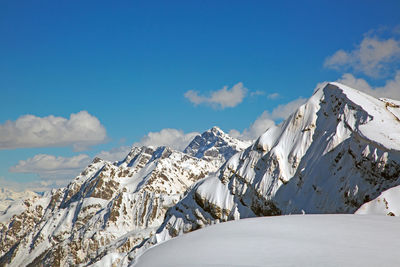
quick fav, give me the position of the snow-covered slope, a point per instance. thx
(336, 152)
(108, 209)
(310, 240)
(387, 203)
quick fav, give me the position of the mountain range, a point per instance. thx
(337, 153)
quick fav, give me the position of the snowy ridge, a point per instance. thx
(330, 156)
(104, 212)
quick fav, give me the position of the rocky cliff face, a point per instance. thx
(338, 151)
(108, 209)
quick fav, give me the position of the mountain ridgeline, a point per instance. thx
(110, 207)
(337, 153)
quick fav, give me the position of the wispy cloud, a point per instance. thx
(281, 112)
(267, 119)
(52, 167)
(257, 93)
(373, 56)
(391, 89)
(54, 171)
(223, 98)
(36, 186)
(115, 154)
(259, 126)
(273, 96)
(173, 138)
(81, 130)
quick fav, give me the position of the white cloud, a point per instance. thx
(80, 131)
(257, 93)
(173, 138)
(283, 111)
(273, 96)
(52, 167)
(373, 57)
(222, 98)
(36, 186)
(259, 126)
(267, 120)
(115, 154)
(55, 172)
(391, 89)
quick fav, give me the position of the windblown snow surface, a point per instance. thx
(297, 240)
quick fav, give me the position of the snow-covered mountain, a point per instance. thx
(215, 144)
(109, 208)
(336, 152)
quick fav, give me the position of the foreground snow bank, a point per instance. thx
(298, 240)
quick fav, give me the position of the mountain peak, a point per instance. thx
(216, 130)
(214, 143)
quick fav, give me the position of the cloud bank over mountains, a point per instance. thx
(223, 98)
(80, 131)
(267, 119)
(49, 166)
(391, 89)
(173, 138)
(376, 57)
(373, 57)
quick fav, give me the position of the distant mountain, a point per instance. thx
(215, 144)
(8, 196)
(109, 208)
(338, 151)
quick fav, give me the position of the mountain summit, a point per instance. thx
(215, 144)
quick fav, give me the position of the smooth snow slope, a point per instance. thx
(298, 240)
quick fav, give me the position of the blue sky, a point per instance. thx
(130, 64)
